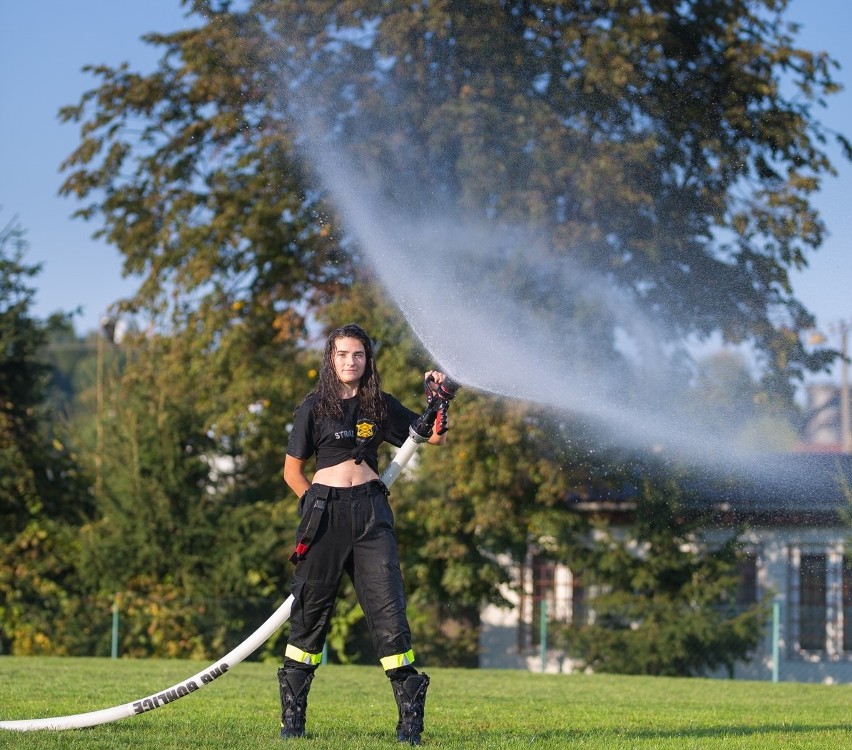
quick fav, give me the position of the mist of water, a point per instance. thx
(501, 312)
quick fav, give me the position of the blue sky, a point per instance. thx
(43, 46)
(45, 43)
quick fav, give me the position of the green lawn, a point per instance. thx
(353, 707)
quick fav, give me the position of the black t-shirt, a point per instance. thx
(335, 442)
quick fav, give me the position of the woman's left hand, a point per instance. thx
(435, 376)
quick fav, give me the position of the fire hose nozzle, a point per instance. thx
(448, 389)
(445, 391)
(438, 396)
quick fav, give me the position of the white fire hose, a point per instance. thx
(215, 670)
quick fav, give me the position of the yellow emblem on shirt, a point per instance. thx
(365, 430)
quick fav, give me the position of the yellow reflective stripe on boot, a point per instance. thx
(398, 660)
(303, 657)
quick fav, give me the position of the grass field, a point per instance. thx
(353, 707)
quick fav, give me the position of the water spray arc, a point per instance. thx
(418, 433)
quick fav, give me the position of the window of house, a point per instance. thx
(543, 590)
(549, 584)
(847, 603)
(579, 612)
(812, 602)
(747, 587)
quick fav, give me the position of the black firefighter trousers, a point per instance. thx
(356, 536)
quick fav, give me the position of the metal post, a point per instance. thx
(99, 415)
(542, 635)
(776, 639)
(115, 628)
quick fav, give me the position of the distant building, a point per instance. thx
(799, 553)
(822, 432)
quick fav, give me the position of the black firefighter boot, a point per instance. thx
(294, 685)
(410, 694)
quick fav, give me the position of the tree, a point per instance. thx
(37, 476)
(191, 496)
(663, 598)
(215, 211)
(43, 496)
(656, 143)
(738, 410)
(653, 143)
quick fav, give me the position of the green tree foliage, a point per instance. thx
(672, 147)
(627, 134)
(68, 357)
(44, 606)
(654, 142)
(190, 496)
(662, 599)
(208, 202)
(736, 409)
(35, 472)
(471, 514)
(42, 492)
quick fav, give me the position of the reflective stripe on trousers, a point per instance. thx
(303, 657)
(395, 661)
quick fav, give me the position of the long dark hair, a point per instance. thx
(327, 401)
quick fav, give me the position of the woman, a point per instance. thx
(347, 525)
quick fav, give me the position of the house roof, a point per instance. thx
(788, 488)
(798, 484)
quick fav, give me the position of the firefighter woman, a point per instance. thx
(347, 525)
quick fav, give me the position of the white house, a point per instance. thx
(799, 555)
